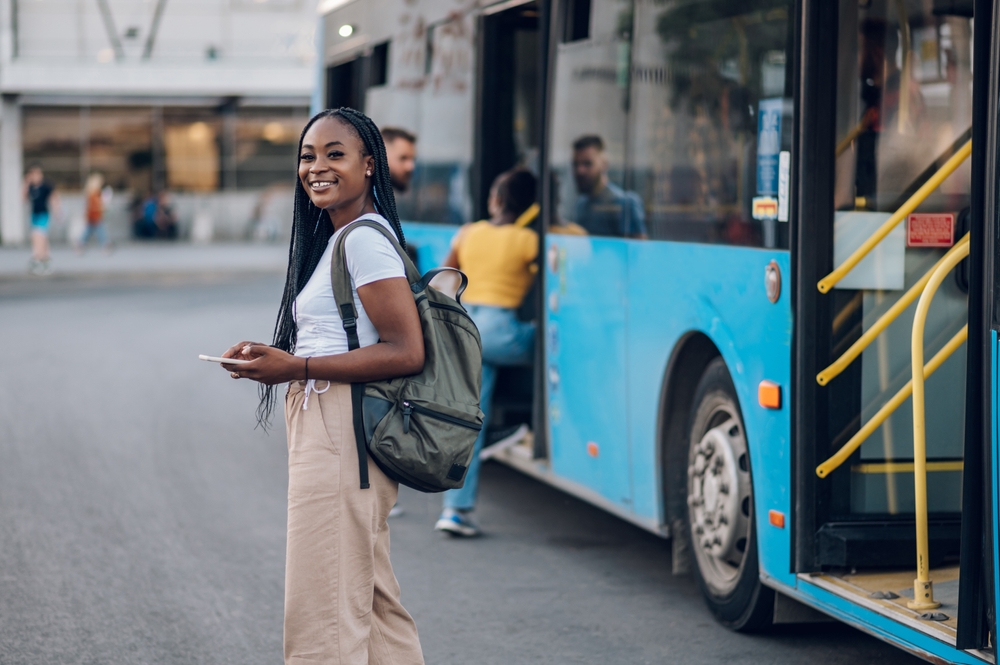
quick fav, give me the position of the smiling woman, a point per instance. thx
(338, 572)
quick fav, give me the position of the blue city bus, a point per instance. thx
(732, 367)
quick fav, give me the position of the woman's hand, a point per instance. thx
(241, 351)
(268, 365)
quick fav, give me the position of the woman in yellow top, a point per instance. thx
(498, 255)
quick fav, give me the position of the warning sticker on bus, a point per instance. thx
(765, 207)
(930, 229)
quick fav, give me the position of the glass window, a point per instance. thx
(266, 139)
(429, 92)
(905, 97)
(904, 104)
(120, 146)
(711, 120)
(52, 139)
(588, 128)
(192, 147)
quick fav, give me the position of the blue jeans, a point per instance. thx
(95, 230)
(506, 341)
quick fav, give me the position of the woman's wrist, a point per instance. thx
(305, 369)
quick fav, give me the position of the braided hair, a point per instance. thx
(311, 232)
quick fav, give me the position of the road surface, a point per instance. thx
(142, 516)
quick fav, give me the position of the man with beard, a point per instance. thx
(603, 208)
(401, 149)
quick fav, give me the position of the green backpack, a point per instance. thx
(419, 429)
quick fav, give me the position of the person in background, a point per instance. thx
(166, 217)
(94, 190)
(557, 224)
(44, 201)
(401, 151)
(143, 216)
(155, 217)
(499, 257)
(603, 208)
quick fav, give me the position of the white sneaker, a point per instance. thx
(456, 523)
(508, 441)
(396, 511)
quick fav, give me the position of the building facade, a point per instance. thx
(203, 99)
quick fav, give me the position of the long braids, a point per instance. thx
(311, 232)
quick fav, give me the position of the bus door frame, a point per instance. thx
(978, 565)
(812, 251)
(489, 32)
(481, 180)
(813, 143)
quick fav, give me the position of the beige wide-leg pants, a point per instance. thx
(341, 597)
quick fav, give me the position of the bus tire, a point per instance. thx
(720, 506)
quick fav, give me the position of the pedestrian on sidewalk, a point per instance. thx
(94, 189)
(341, 596)
(44, 200)
(498, 256)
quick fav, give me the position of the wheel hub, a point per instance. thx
(718, 502)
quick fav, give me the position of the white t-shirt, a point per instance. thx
(370, 257)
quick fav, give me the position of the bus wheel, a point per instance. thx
(720, 506)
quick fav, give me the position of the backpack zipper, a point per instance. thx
(409, 408)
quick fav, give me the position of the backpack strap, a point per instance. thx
(344, 296)
(425, 281)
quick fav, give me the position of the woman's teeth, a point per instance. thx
(318, 185)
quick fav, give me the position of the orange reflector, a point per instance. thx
(777, 519)
(769, 394)
(592, 449)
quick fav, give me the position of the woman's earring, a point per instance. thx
(368, 174)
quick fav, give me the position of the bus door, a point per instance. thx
(898, 200)
(507, 135)
(981, 505)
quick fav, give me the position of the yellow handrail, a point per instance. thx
(838, 458)
(923, 590)
(911, 204)
(841, 363)
(853, 133)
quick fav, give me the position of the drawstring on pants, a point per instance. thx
(311, 388)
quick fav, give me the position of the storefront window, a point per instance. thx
(120, 146)
(146, 148)
(192, 150)
(52, 139)
(266, 140)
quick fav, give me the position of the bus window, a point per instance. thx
(419, 79)
(588, 139)
(903, 107)
(711, 119)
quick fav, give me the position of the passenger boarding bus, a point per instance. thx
(767, 294)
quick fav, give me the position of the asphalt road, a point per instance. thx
(142, 516)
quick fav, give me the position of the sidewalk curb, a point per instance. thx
(57, 283)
